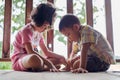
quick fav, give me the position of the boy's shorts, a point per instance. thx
(94, 64)
(17, 62)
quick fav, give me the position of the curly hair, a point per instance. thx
(43, 12)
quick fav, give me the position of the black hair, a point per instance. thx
(43, 12)
(68, 21)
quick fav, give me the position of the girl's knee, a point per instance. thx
(33, 57)
(33, 61)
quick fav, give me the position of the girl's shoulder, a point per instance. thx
(27, 28)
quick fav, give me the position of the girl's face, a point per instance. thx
(42, 28)
(71, 33)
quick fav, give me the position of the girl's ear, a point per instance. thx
(76, 27)
(45, 23)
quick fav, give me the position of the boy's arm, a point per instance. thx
(84, 51)
(75, 49)
(72, 54)
(83, 59)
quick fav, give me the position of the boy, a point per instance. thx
(96, 52)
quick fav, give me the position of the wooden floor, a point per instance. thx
(112, 74)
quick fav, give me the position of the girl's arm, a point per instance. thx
(44, 48)
(51, 54)
(30, 50)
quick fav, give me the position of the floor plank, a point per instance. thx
(112, 74)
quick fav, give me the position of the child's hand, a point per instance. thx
(66, 68)
(79, 70)
(57, 58)
(54, 69)
(69, 61)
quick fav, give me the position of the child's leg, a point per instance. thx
(16, 62)
(74, 60)
(32, 62)
(94, 64)
(72, 64)
(76, 64)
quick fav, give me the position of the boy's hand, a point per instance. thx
(79, 70)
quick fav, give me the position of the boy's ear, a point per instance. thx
(76, 27)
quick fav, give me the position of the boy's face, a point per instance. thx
(71, 33)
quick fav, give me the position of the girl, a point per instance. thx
(26, 56)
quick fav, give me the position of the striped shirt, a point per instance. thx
(100, 47)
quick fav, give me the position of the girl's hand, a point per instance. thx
(66, 68)
(60, 59)
(54, 69)
(79, 70)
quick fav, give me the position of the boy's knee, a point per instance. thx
(76, 64)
